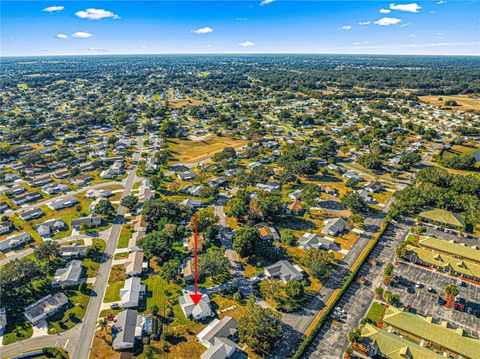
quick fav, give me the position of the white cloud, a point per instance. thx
(406, 7)
(82, 35)
(96, 14)
(441, 2)
(209, 46)
(54, 8)
(384, 11)
(97, 49)
(202, 30)
(61, 36)
(346, 27)
(364, 23)
(361, 43)
(246, 44)
(386, 21)
(266, 2)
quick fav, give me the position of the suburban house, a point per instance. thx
(373, 187)
(14, 241)
(74, 251)
(39, 181)
(135, 264)
(90, 221)
(63, 203)
(268, 232)
(32, 214)
(99, 193)
(3, 206)
(353, 176)
(285, 271)
(187, 270)
(334, 226)
(55, 188)
(68, 276)
(186, 176)
(132, 291)
(132, 242)
(45, 307)
(269, 186)
(198, 311)
(295, 208)
(129, 327)
(48, 228)
(218, 337)
(139, 224)
(316, 241)
(227, 327)
(192, 203)
(296, 195)
(5, 227)
(26, 198)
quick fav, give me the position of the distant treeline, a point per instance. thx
(437, 75)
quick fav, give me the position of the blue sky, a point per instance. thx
(449, 27)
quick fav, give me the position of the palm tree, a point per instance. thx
(102, 324)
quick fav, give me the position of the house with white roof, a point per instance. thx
(198, 311)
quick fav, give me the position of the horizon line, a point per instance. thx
(232, 53)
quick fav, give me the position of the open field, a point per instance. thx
(187, 151)
(466, 103)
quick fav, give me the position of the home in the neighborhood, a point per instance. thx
(91, 221)
(218, 337)
(5, 227)
(316, 241)
(14, 241)
(45, 307)
(285, 271)
(31, 214)
(63, 203)
(55, 188)
(50, 227)
(131, 293)
(74, 251)
(68, 276)
(334, 226)
(135, 264)
(130, 326)
(198, 311)
(186, 176)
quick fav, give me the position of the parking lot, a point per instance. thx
(426, 302)
(354, 304)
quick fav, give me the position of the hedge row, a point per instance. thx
(311, 336)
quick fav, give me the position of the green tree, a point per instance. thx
(47, 251)
(212, 264)
(259, 328)
(130, 202)
(245, 239)
(353, 201)
(287, 237)
(105, 209)
(170, 270)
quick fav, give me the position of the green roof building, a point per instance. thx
(436, 336)
(443, 218)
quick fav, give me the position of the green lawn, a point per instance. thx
(155, 292)
(375, 313)
(21, 331)
(125, 235)
(112, 294)
(61, 321)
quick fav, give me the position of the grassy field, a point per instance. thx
(187, 151)
(125, 235)
(466, 103)
(65, 320)
(375, 313)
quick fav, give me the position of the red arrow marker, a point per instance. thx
(195, 296)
